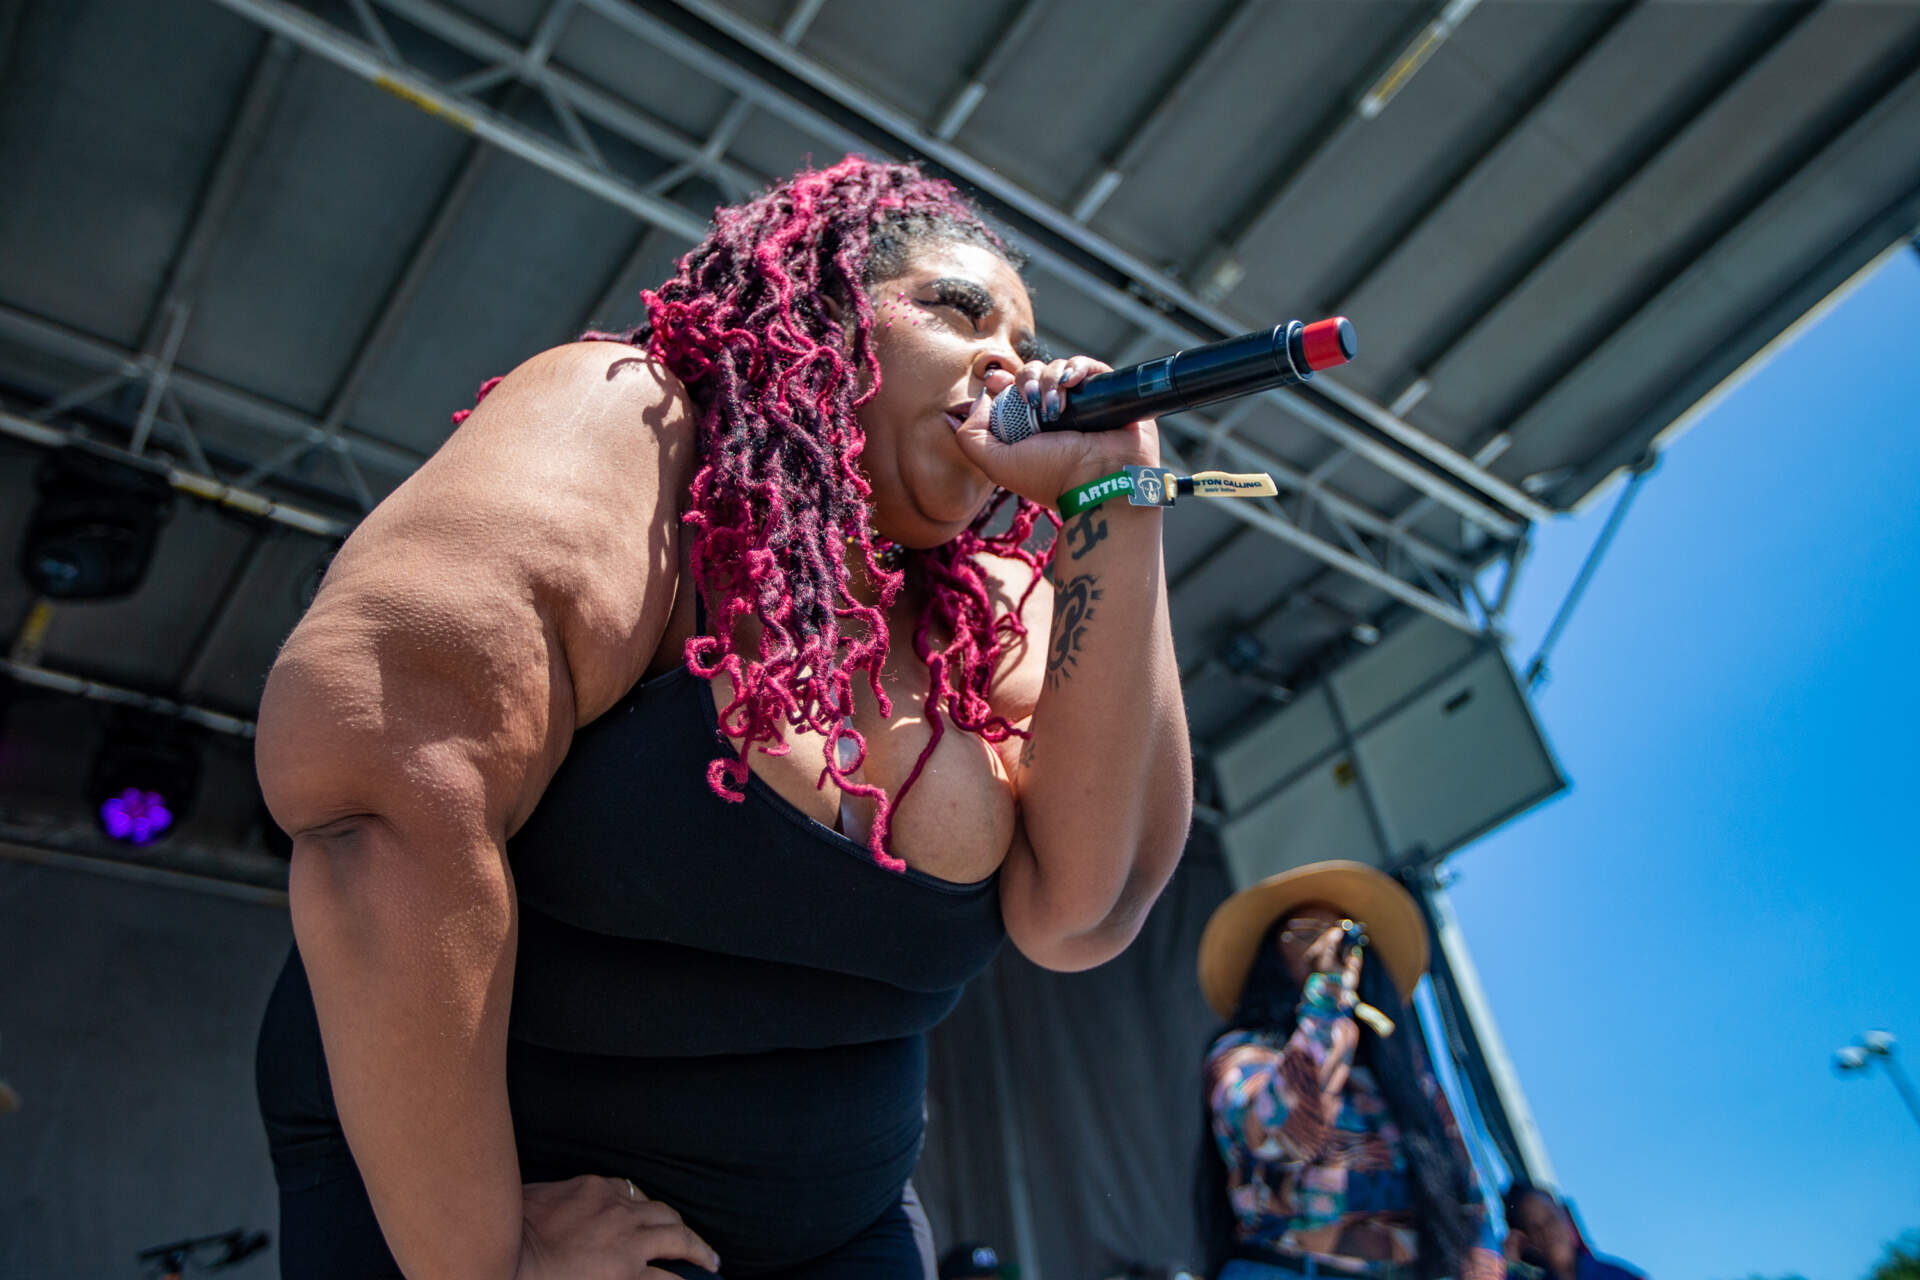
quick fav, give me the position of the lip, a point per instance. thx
(957, 413)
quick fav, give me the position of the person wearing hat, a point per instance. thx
(1329, 1146)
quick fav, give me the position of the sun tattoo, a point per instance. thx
(1072, 611)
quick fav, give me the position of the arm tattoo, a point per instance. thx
(1089, 528)
(1026, 752)
(1072, 611)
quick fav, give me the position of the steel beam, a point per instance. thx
(1518, 113)
(320, 38)
(908, 134)
(195, 485)
(1009, 42)
(393, 311)
(237, 155)
(99, 691)
(1266, 518)
(615, 291)
(1769, 329)
(304, 31)
(1143, 129)
(161, 371)
(1410, 46)
(216, 397)
(1290, 478)
(1901, 71)
(1453, 330)
(1271, 520)
(310, 34)
(615, 115)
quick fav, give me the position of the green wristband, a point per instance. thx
(1094, 492)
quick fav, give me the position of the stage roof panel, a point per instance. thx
(270, 240)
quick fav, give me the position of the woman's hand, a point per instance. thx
(593, 1228)
(1324, 957)
(1046, 465)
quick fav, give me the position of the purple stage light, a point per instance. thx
(136, 816)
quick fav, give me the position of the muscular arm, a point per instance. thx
(509, 591)
(1106, 782)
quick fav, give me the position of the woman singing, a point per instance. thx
(665, 755)
(1329, 1148)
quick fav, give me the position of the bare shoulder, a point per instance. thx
(1014, 588)
(511, 589)
(566, 482)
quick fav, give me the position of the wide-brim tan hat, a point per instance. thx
(1396, 933)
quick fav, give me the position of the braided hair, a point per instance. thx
(769, 324)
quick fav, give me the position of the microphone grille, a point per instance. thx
(1011, 417)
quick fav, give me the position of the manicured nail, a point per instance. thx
(1052, 405)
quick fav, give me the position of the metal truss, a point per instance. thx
(1453, 331)
(202, 485)
(1377, 551)
(118, 367)
(94, 690)
(1361, 542)
(1164, 290)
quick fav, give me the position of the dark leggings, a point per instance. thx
(328, 1232)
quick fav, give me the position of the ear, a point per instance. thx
(842, 317)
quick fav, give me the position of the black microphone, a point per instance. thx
(1258, 361)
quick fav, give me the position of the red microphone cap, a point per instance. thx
(1327, 343)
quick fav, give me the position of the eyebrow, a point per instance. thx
(1025, 344)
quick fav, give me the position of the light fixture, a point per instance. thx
(92, 532)
(1878, 1046)
(143, 781)
(1244, 654)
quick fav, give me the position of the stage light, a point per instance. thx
(143, 780)
(136, 816)
(92, 532)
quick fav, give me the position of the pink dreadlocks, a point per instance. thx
(747, 323)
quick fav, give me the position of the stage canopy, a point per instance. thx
(276, 244)
(255, 252)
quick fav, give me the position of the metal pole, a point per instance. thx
(1491, 1049)
(1537, 665)
(1900, 1082)
(194, 485)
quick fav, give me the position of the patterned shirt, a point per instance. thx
(1306, 1183)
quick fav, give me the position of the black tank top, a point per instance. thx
(724, 1001)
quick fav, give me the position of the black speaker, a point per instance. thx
(93, 530)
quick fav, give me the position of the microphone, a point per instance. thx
(1258, 361)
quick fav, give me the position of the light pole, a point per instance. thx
(1860, 1057)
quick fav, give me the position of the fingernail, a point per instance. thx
(1052, 405)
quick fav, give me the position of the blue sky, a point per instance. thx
(1731, 888)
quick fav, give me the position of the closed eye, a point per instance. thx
(964, 296)
(976, 304)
